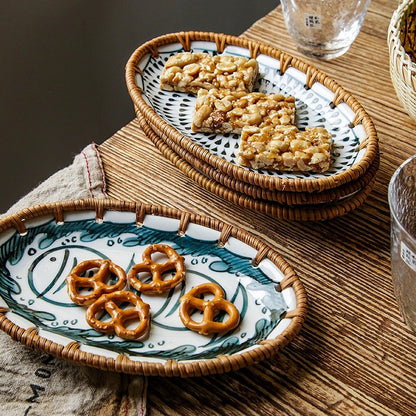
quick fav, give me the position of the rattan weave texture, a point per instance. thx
(319, 212)
(220, 364)
(282, 197)
(402, 68)
(196, 153)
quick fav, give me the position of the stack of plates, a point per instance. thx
(210, 159)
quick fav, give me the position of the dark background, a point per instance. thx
(62, 73)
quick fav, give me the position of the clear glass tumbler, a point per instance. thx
(402, 200)
(324, 29)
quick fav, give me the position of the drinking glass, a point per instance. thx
(402, 200)
(324, 29)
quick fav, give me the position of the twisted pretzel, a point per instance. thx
(157, 270)
(111, 303)
(192, 300)
(76, 280)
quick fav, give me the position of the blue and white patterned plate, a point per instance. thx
(315, 107)
(33, 268)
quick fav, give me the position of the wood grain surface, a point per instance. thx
(354, 355)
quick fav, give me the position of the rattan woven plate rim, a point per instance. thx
(293, 213)
(122, 363)
(255, 48)
(402, 68)
(281, 197)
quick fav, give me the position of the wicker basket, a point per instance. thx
(257, 192)
(402, 68)
(32, 332)
(317, 212)
(136, 72)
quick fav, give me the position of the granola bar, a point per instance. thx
(189, 72)
(222, 111)
(285, 148)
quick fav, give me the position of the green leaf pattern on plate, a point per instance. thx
(33, 268)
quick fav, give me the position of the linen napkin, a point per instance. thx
(35, 383)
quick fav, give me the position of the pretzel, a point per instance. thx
(192, 300)
(111, 303)
(157, 270)
(77, 279)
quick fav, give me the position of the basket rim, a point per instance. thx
(370, 144)
(281, 197)
(217, 365)
(396, 49)
(273, 209)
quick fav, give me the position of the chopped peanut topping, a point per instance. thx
(188, 72)
(226, 104)
(222, 111)
(285, 148)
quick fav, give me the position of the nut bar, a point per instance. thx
(285, 148)
(222, 111)
(189, 72)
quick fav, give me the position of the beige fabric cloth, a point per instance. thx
(84, 178)
(35, 383)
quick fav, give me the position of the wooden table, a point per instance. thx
(354, 355)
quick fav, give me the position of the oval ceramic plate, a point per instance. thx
(39, 247)
(322, 103)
